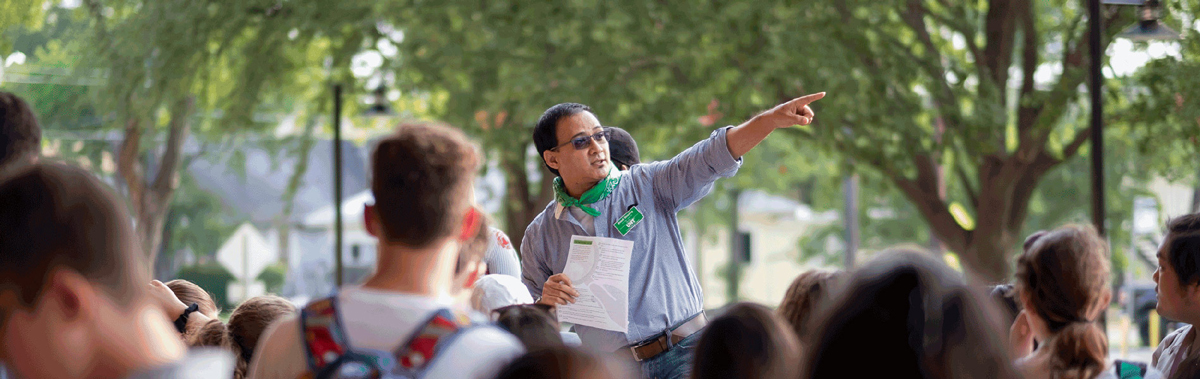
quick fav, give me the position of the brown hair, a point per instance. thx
(421, 177)
(58, 216)
(917, 313)
(189, 293)
(800, 301)
(246, 324)
(748, 341)
(563, 363)
(20, 134)
(533, 324)
(1064, 279)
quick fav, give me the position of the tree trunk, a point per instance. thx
(284, 221)
(151, 201)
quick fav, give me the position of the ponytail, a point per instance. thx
(1078, 351)
(212, 334)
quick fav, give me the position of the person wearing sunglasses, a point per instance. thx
(592, 195)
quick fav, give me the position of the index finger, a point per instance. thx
(562, 278)
(807, 99)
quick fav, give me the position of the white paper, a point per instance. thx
(599, 270)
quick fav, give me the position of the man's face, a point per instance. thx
(588, 164)
(1175, 301)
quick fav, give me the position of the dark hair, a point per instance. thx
(563, 363)
(916, 312)
(1064, 277)
(1183, 248)
(748, 341)
(622, 149)
(421, 177)
(1005, 295)
(20, 134)
(533, 324)
(58, 216)
(545, 133)
(189, 293)
(800, 301)
(248, 322)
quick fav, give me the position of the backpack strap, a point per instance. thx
(324, 340)
(435, 333)
(1129, 369)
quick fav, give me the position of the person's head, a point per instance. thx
(1063, 284)
(748, 341)
(912, 309)
(571, 142)
(20, 134)
(189, 293)
(533, 324)
(73, 284)
(421, 177)
(563, 363)
(1005, 297)
(496, 291)
(1178, 274)
(247, 323)
(802, 297)
(622, 148)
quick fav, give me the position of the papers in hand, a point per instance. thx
(599, 270)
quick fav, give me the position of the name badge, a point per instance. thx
(629, 220)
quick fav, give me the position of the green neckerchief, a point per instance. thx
(597, 193)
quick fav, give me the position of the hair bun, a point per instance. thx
(1033, 238)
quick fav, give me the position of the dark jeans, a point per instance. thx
(673, 364)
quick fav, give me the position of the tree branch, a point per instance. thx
(128, 166)
(181, 112)
(972, 193)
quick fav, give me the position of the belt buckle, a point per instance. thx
(633, 350)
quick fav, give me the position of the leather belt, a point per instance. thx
(654, 346)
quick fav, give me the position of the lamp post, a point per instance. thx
(379, 108)
(1148, 28)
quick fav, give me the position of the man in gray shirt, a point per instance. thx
(594, 198)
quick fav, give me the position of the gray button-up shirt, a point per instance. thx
(663, 290)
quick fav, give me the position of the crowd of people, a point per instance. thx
(450, 298)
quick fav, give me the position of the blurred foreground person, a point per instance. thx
(20, 134)
(907, 315)
(801, 301)
(748, 341)
(622, 149)
(565, 363)
(402, 320)
(1062, 280)
(533, 324)
(74, 298)
(1178, 288)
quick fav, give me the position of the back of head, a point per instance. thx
(622, 149)
(57, 216)
(20, 134)
(906, 315)
(190, 293)
(533, 324)
(748, 341)
(248, 322)
(1064, 280)
(800, 301)
(421, 177)
(564, 363)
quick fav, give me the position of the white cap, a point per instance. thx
(495, 291)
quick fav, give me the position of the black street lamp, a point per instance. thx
(1148, 28)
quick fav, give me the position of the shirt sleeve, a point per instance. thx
(533, 272)
(689, 176)
(501, 258)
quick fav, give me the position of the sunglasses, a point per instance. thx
(581, 143)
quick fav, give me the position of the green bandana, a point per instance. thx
(597, 193)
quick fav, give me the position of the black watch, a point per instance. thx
(181, 322)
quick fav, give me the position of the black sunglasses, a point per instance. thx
(581, 143)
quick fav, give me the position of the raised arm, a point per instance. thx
(746, 136)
